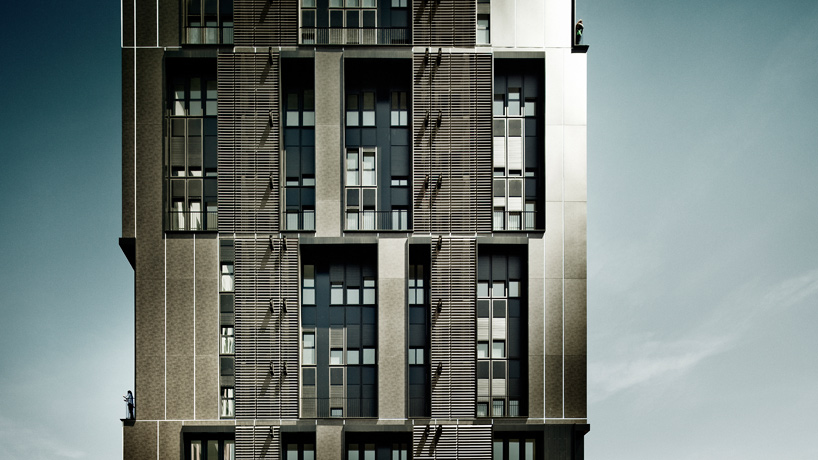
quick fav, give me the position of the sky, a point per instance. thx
(702, 257)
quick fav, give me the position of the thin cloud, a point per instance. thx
(22, 442)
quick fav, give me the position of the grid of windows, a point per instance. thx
(500, 333)
(418, 334)
(208, 22)
(339, 337)
(361, 190)
(191, 153)
(299, 146)
(202, 448)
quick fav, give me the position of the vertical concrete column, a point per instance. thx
(329, 91)
(329, 442)
(392, 269)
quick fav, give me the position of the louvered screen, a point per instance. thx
(249, 153)
(444, 23)
(452, 129)
(453, 350)
(451, 442)
(265, 22)
(258, 442)
(264, 336)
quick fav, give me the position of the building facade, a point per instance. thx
(357, 229)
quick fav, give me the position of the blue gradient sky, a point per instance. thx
(702, 252)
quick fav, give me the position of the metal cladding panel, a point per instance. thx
(453, 328)
(257, 442)
(265, 23)
(266, 338)
(445, 23)
(249, 147)
(453, 442)
(452, 142)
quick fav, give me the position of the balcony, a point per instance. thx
(193, 221)
(209, 35)
(515, 221)
(339, 407)
(355, 36)
(395, 220)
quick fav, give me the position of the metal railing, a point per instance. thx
(355, 36)
(339, 407)
(515, 221)
(208, 35)
(303, 220)
(193, 221)
(397, 220)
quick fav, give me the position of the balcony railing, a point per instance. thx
(514, 220)
(300, 220)
(193, 221)
(338, 407)
(355, 36)
(397, 220)
(209, 35)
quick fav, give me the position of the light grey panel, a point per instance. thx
(530, 23)
(575, 317)
(536, 316)
(553, 240)
(575, 89)
(392, 339)
(553, 316)
(575, 234)
(554, 158)
(575, 386)
(502, 27)
(554, 84)
(558, 23)
(576, 176)
(553, 386)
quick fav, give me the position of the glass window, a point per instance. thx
(308, 357)
(336, 293)
(353, 357)
(336, 356)
(482, 349)
(368, 113)
(369, 168)
(352, 167)
(228, 341)
(226, 281)
(497, 408)
(482, 409)
(369, 356)
(227, 402)
(498, 349)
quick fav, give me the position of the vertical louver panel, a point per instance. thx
(453, 328)
(444, 23)
(451, 442)
(249, 150)
(452, 144)
(266, 22)
(258, 442)
(266, 328)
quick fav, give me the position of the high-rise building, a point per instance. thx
(357, 229)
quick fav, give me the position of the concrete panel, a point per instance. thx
(128, 8)
(139, 441)
(180, 259)
(207, 258)
(329, 442)
(536, 317)
(149, 388)
(146, 22)
(207, 317)
(576, 167)
(207, 387)
(392, 258)
(575, 236)
(391, 348)
(169, 23)
(502, 27)
(530, 22)
(180, 316)
(554, 158)
(179, 386)
(553, 240)
(554, 85)
(149, 346)
(536, 255)
(575, 317)
(536, 386)
(328, 142)
(553, 386)
(576, 75)
(558, 27)
(128, 129)
(553, 316)
(575, 386)
(169, 442)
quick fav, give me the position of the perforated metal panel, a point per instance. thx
(444, 23)
(265, 22)
(266, 339)
(249, 149)
(452, 143)
(453, 351)
(438, 442)
(258, 442)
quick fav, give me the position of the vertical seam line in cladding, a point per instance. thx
(157, 26)
(157, 439)
(563, 250)
(194, 327)
(134, 129)
(165, 342)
